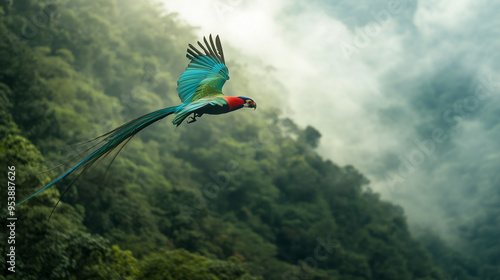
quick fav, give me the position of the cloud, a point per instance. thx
(376, 77)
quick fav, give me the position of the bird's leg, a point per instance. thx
(193, 118)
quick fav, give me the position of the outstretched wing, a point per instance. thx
(205, 74)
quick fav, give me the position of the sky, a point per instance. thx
(405, 91)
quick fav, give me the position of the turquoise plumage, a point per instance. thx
(204, 69)
(200, 90)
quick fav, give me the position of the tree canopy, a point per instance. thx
(237, 196)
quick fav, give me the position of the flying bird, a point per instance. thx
(200, 90)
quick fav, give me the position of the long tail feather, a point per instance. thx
(109, 142)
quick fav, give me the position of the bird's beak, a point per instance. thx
(254, 106)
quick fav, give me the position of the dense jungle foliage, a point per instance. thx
(236, 196)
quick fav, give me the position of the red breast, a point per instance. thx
(234, 102)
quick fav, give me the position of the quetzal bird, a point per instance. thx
(200, 90)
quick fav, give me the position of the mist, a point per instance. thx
(405, 91)
(374, 153)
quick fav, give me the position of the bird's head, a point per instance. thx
(247, 102)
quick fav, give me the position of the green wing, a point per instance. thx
(205, 74)
(187, 109)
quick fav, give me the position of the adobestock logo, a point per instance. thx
(425, 148)
(309, 265)
(365, 36)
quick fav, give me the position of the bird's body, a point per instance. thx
(200, 90)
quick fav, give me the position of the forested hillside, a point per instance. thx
(236, 196)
